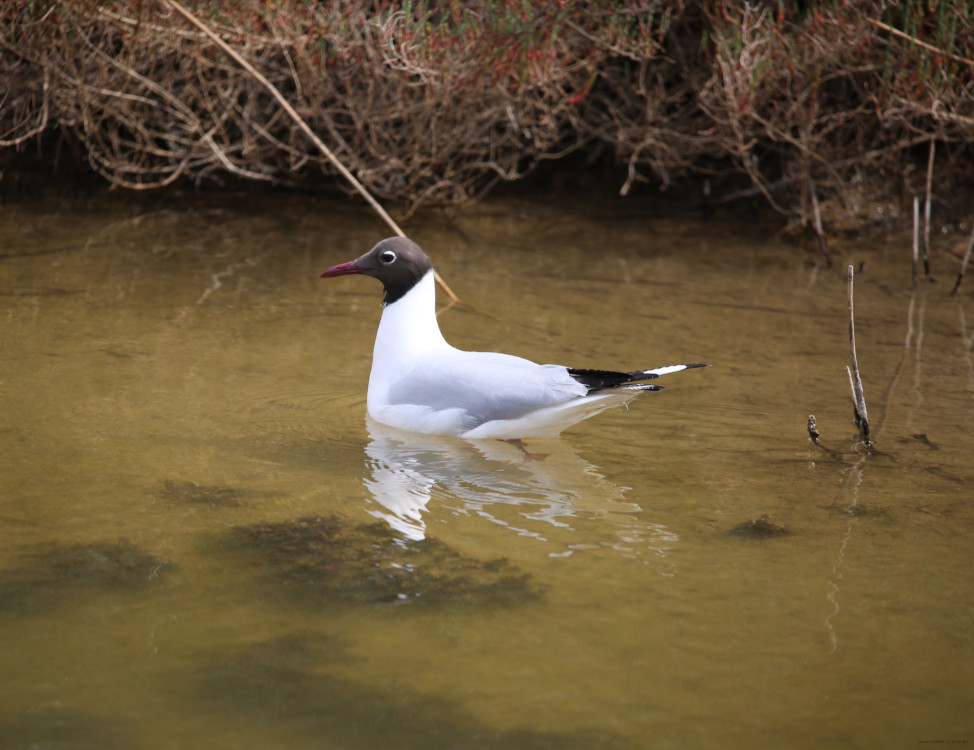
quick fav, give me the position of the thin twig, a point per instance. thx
(913, 40)
(299, 121)
(963, 263)
(42, 121)
(855, 382)
(851, 161)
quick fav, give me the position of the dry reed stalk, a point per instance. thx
(913, 40)
(855, 381)
(916, 238)
(926, 212)
(299, 121)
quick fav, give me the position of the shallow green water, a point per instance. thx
(206, 545)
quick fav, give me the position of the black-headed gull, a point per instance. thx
(422, 384)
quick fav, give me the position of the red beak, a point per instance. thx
(342, 269)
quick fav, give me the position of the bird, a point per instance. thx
(420, 383)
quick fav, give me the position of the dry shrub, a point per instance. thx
(431, 102)
(836, 103)
(423, 104)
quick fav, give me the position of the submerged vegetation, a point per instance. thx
(323, 561)
(435, 102)
(51, 573)
(196, 494)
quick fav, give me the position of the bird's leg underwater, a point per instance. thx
(528, 455)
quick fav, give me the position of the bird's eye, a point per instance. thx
(387, 257)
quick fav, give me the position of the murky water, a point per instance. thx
(206, 545)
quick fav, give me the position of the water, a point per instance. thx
(207, 545)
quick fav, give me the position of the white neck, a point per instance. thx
(408, 333)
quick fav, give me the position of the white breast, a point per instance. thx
(419, 382)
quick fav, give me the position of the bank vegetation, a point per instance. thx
(436, 102)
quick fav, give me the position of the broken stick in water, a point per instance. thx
(855, 382)
(916, 238)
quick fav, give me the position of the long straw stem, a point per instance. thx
(299, 121)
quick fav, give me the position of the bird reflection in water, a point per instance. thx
(546, 484)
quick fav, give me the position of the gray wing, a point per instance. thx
(486, 385)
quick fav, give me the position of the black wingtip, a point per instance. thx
(599, 380)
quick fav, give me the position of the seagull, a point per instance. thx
(420, 383)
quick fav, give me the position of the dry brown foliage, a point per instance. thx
(430, 102)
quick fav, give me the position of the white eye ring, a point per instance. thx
(387, 257)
